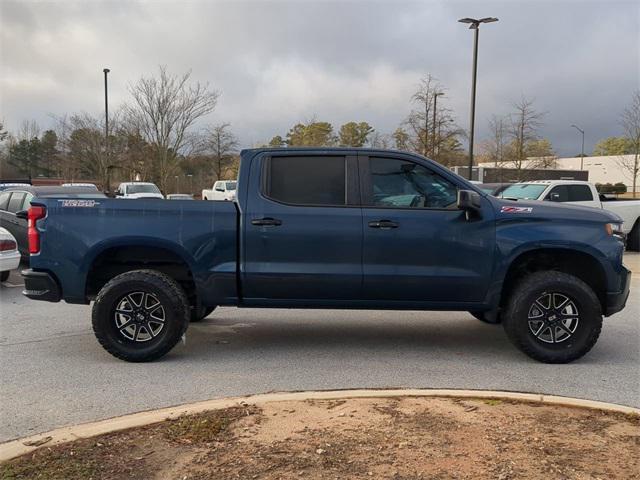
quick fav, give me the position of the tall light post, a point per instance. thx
(177, 184)
(106, 127)
(474, 25)
(433, 127)
(190, 176)
(582, 151)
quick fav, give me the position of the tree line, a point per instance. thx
(158, 136)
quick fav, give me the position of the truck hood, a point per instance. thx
(540, 209)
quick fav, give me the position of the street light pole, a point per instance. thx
(582, 151)
(474, 25)
(433, 127)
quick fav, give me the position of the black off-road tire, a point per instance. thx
(486, 317)
(633, 240)
(199, 314)
(176, 312)
(515, 319)
(4, 276)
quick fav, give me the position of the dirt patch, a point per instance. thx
(402, 438)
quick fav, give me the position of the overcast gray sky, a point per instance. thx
(277, 63)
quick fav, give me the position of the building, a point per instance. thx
(605, 169)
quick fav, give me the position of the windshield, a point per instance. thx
(231, 185)
(143, 188)
(523, 191)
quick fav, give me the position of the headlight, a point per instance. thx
(614, 229)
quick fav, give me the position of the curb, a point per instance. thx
(16, 448)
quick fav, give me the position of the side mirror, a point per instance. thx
(219, 189)
(23, 214)
(469, 201)
(554, 197)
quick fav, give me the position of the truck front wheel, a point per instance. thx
(140, 315)
(553, 317)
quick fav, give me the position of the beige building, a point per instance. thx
(606, 169)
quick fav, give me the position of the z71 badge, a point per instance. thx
(78, 203)
(516, 209)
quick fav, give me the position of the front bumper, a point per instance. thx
(40, 286)
(616, 301)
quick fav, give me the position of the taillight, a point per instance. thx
(35, 213)
(7, 245)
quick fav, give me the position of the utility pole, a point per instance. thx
(106, 128)
(474, 25)
(433, 126)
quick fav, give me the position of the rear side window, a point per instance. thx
(580, 193)
(4, 200)
(15, 202)
(307, 180)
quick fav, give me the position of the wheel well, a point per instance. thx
(117, 260)
(581, 265)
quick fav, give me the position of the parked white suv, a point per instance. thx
(138, 190)
(222, 190)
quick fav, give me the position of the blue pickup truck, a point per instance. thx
(332, 228)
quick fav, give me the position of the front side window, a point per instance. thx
(558, 194)
(15, 202)
(403, 184)
(307, 180)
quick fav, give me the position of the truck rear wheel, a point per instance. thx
(553, 317)
(139, 316)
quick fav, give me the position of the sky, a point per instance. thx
(278, 63)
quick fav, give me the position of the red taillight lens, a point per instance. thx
(35, 213)
(7, 245)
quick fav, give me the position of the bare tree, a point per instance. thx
(431, 135)
(523, 127)
(29, 129)
(631, 124)
(164, 111)
(221, 143)
(495, 147)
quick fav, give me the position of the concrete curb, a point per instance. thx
(16, 448)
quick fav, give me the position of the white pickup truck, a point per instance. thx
(580, 193)
(222, 190)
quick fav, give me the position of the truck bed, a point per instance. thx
(203, 234)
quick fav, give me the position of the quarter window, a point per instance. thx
(307, 180)
(15, 202)
(403, 184)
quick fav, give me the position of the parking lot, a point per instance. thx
(55, 373)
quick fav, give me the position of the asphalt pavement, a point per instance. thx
(54, 373)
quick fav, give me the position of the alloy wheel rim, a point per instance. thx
(553, 317)
(139, 316)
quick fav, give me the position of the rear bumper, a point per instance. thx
(40, 286)
(616, 301)
(9, 260)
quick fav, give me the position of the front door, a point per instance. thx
(302, 230)
(418, 247)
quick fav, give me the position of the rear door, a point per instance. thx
(302, 230)
(418, 247)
